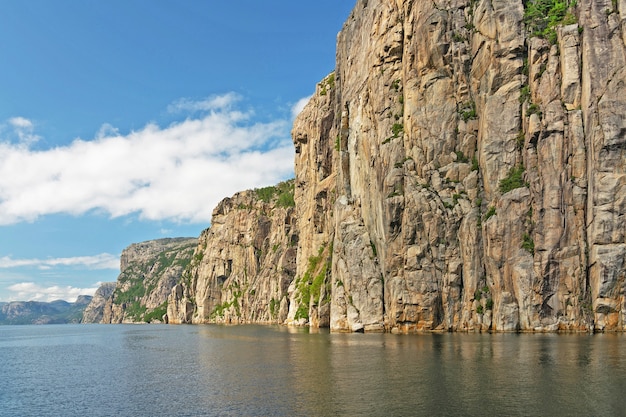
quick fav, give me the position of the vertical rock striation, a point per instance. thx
(462, 169)
(481, 169)
(316, 140)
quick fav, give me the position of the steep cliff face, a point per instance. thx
(95, 309)
(149, 271)
(243, 264)
(316, 137)
(481, 171)
(463, 168)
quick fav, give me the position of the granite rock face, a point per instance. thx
(148, 272)
(243, 264)
(480, 170)
(458, 171)
(315, 139)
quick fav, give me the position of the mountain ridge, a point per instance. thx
(39, 312)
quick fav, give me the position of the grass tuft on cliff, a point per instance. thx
(513, 180)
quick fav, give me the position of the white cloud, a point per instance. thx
(178, 173)
(20, 122)
(101, 261)
(297, 108)
(29, 291)
(107, 130)
(24, 130)
(209, 104)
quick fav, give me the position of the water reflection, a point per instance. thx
(259, 371)
(256, 370)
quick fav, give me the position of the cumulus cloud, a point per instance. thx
(178, 173)
(101, 261)
(29, 291)
(297, 108)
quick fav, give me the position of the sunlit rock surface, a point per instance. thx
(453, 173)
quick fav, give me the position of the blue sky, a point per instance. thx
(123, 121)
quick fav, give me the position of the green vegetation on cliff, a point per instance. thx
(310, 285)
(513, 180)
(327, 84)
(282, 193)
(154, 267)
(542, 16)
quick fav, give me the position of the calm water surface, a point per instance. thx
(160, 370)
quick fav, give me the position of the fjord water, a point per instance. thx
(159, 370)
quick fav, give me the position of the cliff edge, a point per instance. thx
(243, 264)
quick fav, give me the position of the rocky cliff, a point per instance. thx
(243, 264)
(463, 169)
(95, 310)
(148, 272)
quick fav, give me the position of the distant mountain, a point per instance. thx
(36, 312)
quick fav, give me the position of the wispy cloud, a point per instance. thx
(21, 129)
(29, 291)
(101, 261)
(297, 108)
(209, 104)
(178, 173)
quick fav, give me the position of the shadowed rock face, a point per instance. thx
(453, 173)
(95, 309)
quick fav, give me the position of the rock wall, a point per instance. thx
(316, 137)
(243, 264)
(462, 169)
(148, 272)
(480, 170)
(95, 309)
